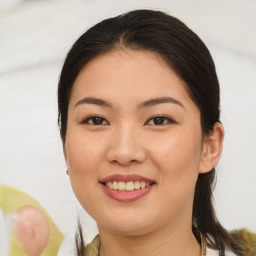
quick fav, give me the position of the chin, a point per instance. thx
(127, 226)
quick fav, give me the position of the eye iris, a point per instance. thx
(97, 120)
(158, 120)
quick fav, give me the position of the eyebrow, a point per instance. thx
(148, 103)
(155, 101)
(92, 100)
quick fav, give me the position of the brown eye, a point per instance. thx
(160, 120)
(95, 120)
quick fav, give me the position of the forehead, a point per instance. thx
(127, 73)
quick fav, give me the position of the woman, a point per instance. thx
(138, 102)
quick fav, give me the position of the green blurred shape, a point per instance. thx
(11, 200)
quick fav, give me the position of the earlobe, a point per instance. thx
(66, 158)
(212, 148)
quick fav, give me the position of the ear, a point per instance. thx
(66, 158)
(212, 148)
(65, 154)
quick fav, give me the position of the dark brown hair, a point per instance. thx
(189, 58)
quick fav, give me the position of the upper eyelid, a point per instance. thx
(86, 119)
(164, 116)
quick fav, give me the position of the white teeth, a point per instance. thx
(115, 186)
(128, 186)
(137, 185)
(110, 185)
(121, 185)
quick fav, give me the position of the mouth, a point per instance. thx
(129, 182)
(126, 188)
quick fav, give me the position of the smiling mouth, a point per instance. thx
(127, 186)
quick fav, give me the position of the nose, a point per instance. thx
(126, 147)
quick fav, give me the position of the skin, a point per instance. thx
(32, 228)
(129, 141)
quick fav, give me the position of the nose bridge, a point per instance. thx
(126, 146)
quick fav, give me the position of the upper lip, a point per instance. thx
(125, 178)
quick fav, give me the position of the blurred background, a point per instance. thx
(35, 36)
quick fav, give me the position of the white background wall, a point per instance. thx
(34, 38)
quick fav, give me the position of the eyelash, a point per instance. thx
(94, 118)
(167, 120)
(90, 120)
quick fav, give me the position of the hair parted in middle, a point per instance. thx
(185, 53)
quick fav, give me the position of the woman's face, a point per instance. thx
(134, 143)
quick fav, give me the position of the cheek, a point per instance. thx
(84, 156)
(177, 150)
(84, 152)
(177, 159)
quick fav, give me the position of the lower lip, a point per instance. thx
(126, 196)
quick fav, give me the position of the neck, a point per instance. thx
(180, 242)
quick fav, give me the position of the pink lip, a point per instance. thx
(126, 178)
(126, 196)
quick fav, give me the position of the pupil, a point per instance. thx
(97, 120)
(159, 120)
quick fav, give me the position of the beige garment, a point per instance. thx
(246, 238)
(92, 249)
